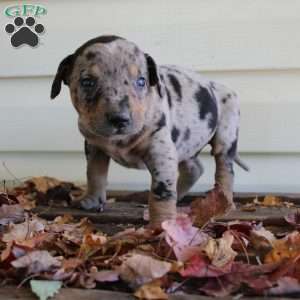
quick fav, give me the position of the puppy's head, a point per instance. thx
(110, 80)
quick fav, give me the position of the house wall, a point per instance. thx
(251, 46)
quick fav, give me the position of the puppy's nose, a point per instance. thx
(118, 120)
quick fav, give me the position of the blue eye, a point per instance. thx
(141, 82)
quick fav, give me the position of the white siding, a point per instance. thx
(251, 45)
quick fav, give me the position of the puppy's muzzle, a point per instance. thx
(119, 120)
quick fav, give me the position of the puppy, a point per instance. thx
(147, 116)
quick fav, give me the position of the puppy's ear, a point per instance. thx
(153, 74)
(62, 74)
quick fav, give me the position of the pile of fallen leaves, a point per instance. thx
(190, 254)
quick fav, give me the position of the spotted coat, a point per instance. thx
(147, 116)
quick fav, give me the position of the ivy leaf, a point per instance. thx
(45, 288)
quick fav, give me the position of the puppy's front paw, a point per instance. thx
(88, 202)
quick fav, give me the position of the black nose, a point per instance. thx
(118, 120)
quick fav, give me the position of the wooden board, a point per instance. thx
(11, 293)
(128, 210)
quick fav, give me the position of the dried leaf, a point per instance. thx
(151, 291)
(269, 201)
(94, 240)
(260, 231)
(293, 219)
(11, 214)
(36, 262)
(220, 250)
(26, 203)
(199, 266)
(183, 237)
(105, 276)
(23, 231)
(43, 184)
(45, 289)
(71, 263)
(219, 287)
(262, 240)
(240, 275)
(182, 232)
(66, 218)
(139, 269)
(214, 205)
(76, 254)
(285, 248)
(284, 286)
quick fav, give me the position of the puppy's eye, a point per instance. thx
(141, 82)
(87, 82)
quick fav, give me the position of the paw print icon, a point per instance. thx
(24, 32)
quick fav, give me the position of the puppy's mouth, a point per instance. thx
(112, 132)
(108, 131)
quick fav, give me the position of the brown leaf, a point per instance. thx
(214, 205)
(151, 291)
(23, 231)
(36, 262)
(66, 218)
(138, 269)
(43, 184)
(6, 253)
(6, 198)
(11, 214)
(73, 231)
(36, 241)
(71, 263)
(26, 203)
(94, 240)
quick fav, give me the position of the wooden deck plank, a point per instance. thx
(142, 196)
(12, 293)
(132, 213)
(119, 213)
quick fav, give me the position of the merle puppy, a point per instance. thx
(147, 116)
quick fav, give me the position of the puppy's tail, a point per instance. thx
(240, 163)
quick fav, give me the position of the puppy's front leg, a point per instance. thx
(162, 163)
(97, 169)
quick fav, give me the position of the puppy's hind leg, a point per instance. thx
(224, 147)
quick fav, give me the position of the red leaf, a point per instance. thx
(214, 205)
(199, 266)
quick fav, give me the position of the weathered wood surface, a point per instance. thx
(12, 293)
(128, 209)
(133, 214)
